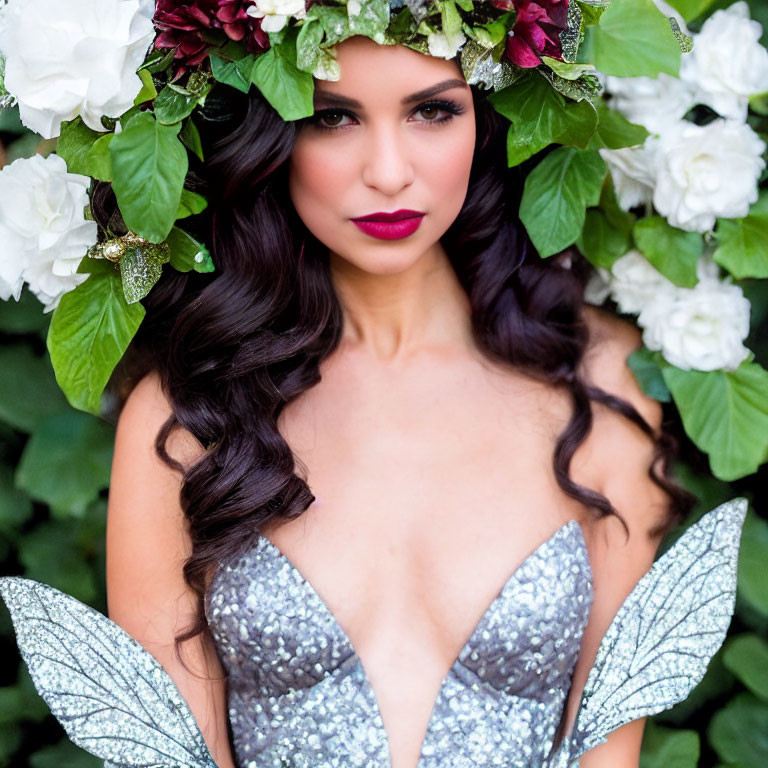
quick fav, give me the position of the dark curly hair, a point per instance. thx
(233, 347)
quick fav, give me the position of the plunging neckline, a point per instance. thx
(570, 528)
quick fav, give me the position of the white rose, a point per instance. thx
(700, 328)
(654, 103)
(633, 170)
(73, 57)
(635, 282)
(275, 13)
(598, 287)
(443, 47)
(727, 64)
(43, 230)
(705, 172)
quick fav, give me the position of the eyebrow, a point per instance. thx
(343, 101)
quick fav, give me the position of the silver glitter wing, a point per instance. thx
(109, 693)
(665, 633)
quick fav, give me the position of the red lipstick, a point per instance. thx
(390, 226)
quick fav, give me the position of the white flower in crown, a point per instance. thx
(700, 328)
(727, 64)
(635, 282)
(706, 172)
(43, 230)
(74, 57)
(275, 13)
(633, 171)
(655, 103)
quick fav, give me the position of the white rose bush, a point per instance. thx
(641, 125)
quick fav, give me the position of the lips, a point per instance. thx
(390, 226)
(403, 213)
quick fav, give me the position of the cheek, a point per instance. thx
(317, 184)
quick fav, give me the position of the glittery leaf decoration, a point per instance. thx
(111, 696)
(665, 633)
(570, 37)
(684, 41)
(140, 269)
(418, 8)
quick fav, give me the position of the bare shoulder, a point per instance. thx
(145, 411)
(622, 452)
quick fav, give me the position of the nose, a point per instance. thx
(387, 162)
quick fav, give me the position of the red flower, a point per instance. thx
(537, 31)
(182, 24)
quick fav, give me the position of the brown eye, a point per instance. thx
(332, 118)
(430, 111)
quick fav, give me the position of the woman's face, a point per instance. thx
(379, 143)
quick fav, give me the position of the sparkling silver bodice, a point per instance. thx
(299, 696)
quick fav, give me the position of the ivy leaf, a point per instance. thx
(556, 196)
(187, 253)
(540, 116)
(55, 448)
(645, 366)
(23, 372)
(149, 165)
(634, 39)
(747, 657)
(172, 107)
(89, 333)
(672, 251)
(725, 413)
(236, 73)
(191, 204)
(284, 85)
(614, 131)
(739, 731)
(669, 747)
(742, 245)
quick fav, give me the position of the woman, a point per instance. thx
(432, 378)
(459, 573)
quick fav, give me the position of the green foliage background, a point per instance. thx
(54, 474)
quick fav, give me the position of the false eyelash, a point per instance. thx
(447, 106)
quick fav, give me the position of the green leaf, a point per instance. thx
(235, 73)
(190, 136)
(28, 390)
(742, 246)
(568, 70)
(150, 165)
(172, 107)
(725, 413)
(187, 253)
(669, 748)
(645, 367)
(75, 145)
(90, 331)
(747, 657)
(753, 555)
(556, 196)
(739, 731)
(308, 44)
(600, 242)
(140, 269)
(15, 505)
(614, 131)
(691, 9)
(541, 116)
(148, 90)
(372, 20)
(672, 251)
(634, 39)
(283, 84)
(66, 461)
(191, 204)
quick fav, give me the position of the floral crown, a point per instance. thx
(116, 89)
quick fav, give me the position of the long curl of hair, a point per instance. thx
(233, 347)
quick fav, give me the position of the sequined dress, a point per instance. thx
(298, 696)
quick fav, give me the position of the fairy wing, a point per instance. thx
(109, 693)
(664, 635)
